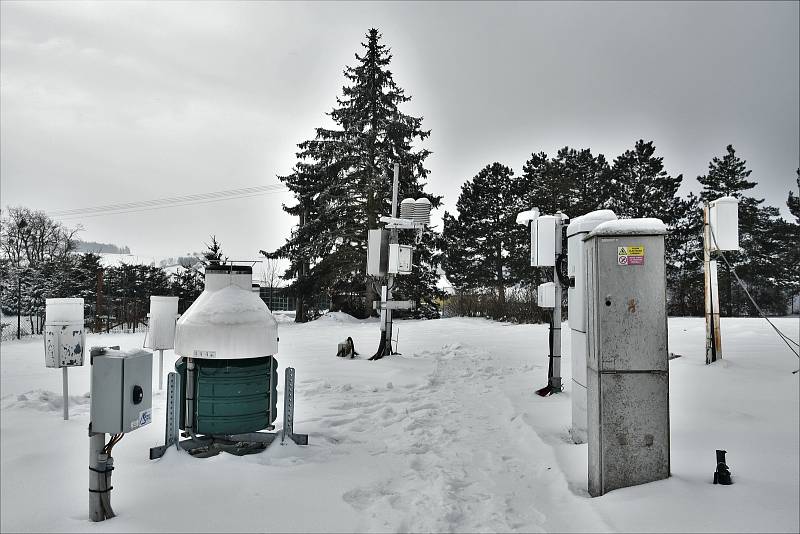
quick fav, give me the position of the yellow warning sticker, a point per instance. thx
(630, 255)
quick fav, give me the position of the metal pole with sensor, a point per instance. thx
(121, 402)
(387, 258)
(720, 233)
(546, 251)
(393, 240)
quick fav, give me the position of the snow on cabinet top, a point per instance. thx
(646, 226)
(227, 322)
(587, 222)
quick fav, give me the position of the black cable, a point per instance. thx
(783, 336)
(562, 276)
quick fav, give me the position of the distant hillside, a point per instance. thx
(94, 246)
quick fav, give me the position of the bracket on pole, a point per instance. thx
(393, 305)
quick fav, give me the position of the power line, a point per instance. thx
(169, 202)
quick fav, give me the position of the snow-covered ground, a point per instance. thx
(449, 436)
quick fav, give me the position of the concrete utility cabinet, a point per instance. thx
(576, 270)
(627, 364)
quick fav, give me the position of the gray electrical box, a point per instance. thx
(377, 252)
(121, 394)
(627, 360)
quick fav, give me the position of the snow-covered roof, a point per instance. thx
(108, 259)
(587, 222)
(645, 226)
(230, 322)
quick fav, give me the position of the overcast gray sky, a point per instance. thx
(111, 102)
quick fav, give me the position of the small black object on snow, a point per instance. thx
(723, 474)
(347, 349)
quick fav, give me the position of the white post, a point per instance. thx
(160, 369)
(393, 239)
(96, 477)
(65, 391)
(65, 388)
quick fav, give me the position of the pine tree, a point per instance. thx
(478, 243)
(789, 236)
(542, 185)
(793, 202)
(186, 284)
(573, 182)
(342, 185)
(684, 245)
(641, 186)
(587, 181)
(727, 177)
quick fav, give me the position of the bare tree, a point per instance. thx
(29, 238)
(271, 276)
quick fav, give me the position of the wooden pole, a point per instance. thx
(713, 334)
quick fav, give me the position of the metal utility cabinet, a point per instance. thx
(627, 364)
(121, 397)
(576, 270)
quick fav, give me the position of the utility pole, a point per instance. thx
(713, 334)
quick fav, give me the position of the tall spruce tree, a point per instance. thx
(479, 242)
(342, 183)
